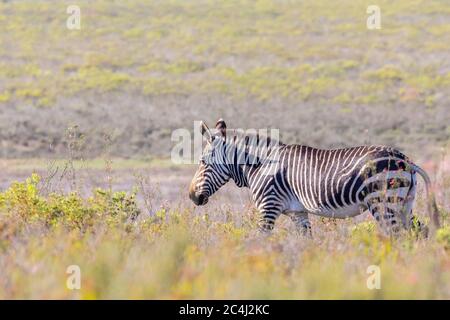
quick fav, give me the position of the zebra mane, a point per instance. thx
(250, 147)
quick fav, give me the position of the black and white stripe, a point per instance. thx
(299, 180)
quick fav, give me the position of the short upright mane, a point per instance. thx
(250, 148)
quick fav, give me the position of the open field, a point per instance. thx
(86, 118)
(153, 243)
(139, 69)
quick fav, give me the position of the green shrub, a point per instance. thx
(119, 205)
(70, 210)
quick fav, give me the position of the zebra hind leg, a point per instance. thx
(390, 202)
(413, 223)
(387, 214)
(302, 224)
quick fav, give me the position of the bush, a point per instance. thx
(70, 210)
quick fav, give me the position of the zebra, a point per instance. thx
(302, 180)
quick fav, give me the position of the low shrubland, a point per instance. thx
(140, 69)
(123, 251)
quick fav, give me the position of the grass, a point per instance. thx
(178, 252)
(32, 165)
(294, 37)
(177, 255)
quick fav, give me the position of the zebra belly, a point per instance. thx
(294, 205)
(340, 213)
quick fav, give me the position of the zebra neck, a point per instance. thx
(238, 175)
(266, 166)
(247, 160)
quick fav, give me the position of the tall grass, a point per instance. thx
(178, 253)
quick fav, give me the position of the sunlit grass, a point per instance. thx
(259, 52)
(175, 253)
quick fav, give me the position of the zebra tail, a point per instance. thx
(432, 207)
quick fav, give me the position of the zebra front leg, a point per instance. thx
(301, 222)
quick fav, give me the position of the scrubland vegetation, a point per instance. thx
(130, 247)
(139, 69)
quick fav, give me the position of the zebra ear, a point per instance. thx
(204, 130)
(221, 126)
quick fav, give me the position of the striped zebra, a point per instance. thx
(298, 180)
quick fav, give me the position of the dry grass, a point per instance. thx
(139, 69)
(176, 251)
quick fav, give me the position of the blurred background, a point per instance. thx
(137, 70)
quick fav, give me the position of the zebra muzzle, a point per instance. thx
(199, 200)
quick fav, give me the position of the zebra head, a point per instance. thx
(213, 171)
